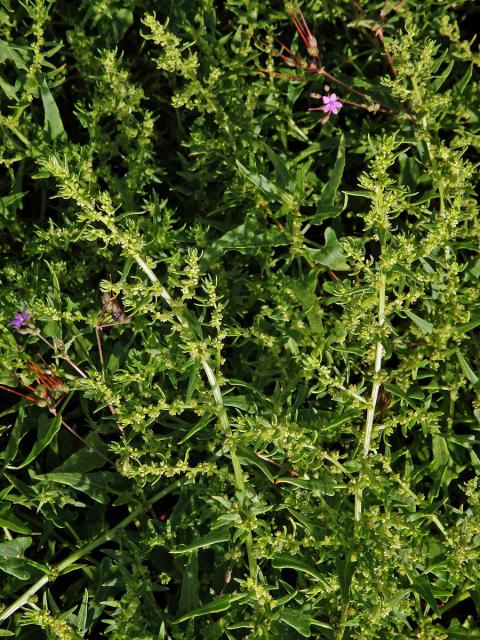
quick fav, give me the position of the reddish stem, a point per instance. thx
(17, 393)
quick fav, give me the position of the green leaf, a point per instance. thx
(16, 54)
(13, 524)
(440, 80)
(282, 175)
(7, 201)
(467, 371)
(247, 456)
(289, 562)
(12, 559)
(56, 295)
(326, 485)
(345, 569)
(189, 590)
(214, 537)
(122, 20)
(331, 188)
(297, 620)
(461, 633)
(85, 459)
(201, 424)
(423, 325)
(464, 81)
(331, 255)
(422, 586)
(47, 430)
(441, 454)
(325, 212)
(115, 357)
(20, 429)
(8, 89)
(83, 614)
(53, 121)
(247, 238)
(193, 381)
(15, 548)
(96, 484)
(268, 189)
(18, 567)
(216, 606)
(305, 292)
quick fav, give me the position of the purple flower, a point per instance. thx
(20, 318)
(331, 104)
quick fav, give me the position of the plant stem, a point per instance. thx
(375, 388)
(221, 412)
(102, 364)
(59, 568)
(63, 356)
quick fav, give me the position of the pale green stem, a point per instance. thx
(375, 389)
(59, 568)
(343, 623)
(15, 131)
(221, 411)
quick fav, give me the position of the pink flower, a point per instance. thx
(331, 104)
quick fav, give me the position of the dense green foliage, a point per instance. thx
(275, 433)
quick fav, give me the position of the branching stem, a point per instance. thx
(221, 411)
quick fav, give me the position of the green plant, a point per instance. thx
(264, 424)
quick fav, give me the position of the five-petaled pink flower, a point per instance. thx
(331, 104)
(20, 318)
